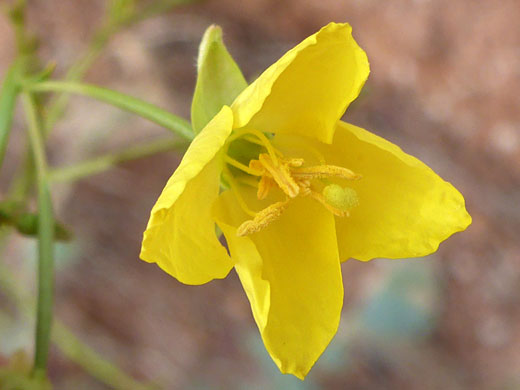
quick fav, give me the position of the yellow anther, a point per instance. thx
(341, 198)
(281, 175)
(323, 171)
(293, 162)
(289, 175)
(257, 166)
(264, 186)
(305, 187)
(262, 219)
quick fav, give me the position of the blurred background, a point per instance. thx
(444, 85)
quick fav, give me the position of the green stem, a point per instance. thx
(21, 185)
(45, 239)
(27, 60)
(68, 343)
(104, 163)
(8, 96)
(153, 113)
(17, 16)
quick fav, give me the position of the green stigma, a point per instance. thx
(343, 199)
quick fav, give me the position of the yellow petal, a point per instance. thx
(405, 209)
(307, 90)
(292, 277)
(180, 236)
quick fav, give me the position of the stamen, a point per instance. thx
(261, 136)
(294, 162)
(281, 175)
(256, 141)
(264, 186)
(305, 187)
(242, 167)
(262, 219)
(291, 176)
(323, 171)
(257, 166)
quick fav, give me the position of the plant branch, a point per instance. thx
(8, 96)
(153, 113)
(45, 239)
(115, 21)
(103, 163)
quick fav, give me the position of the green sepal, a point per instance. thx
(219, 79)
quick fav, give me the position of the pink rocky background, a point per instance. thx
(444, 85)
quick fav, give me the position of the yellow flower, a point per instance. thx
(302, 191)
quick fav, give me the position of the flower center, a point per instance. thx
(272, 170)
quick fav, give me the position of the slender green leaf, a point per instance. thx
(219, 79)
(128, 103)
(7, 103)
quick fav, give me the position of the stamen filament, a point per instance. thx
(281, 175)
(262, 138)
(248, 180)
(256, 141)
(242, 167)
(323, 171)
